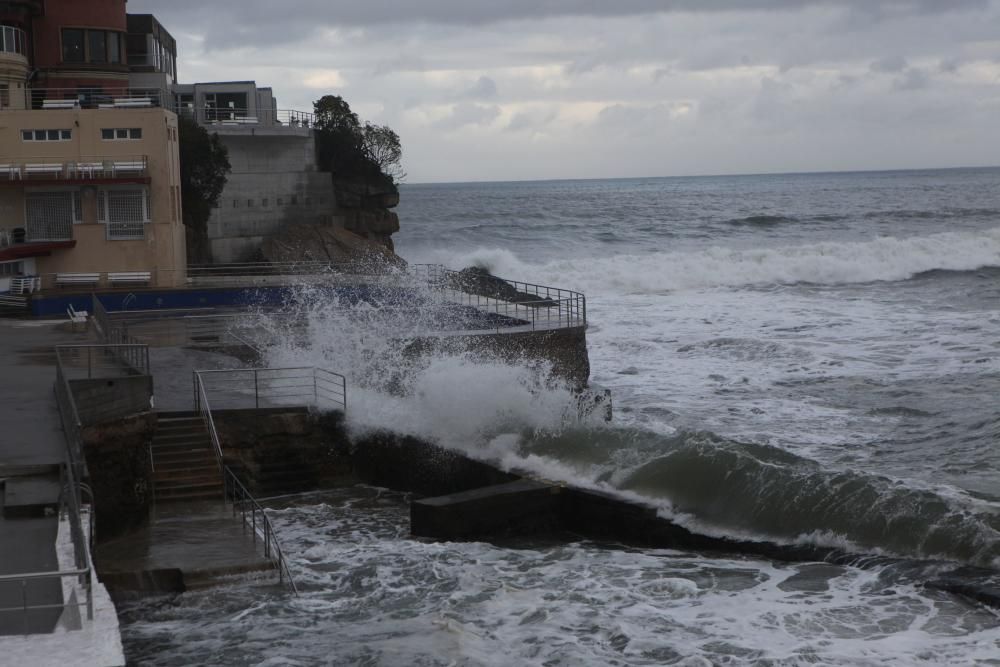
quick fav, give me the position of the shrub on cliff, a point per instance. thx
(204, 170)
(352, 150)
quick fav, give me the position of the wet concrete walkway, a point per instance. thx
(200, 539)
(31, 445)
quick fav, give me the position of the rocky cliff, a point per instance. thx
(364, 209)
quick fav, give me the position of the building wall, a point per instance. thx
(273, 182)
(162, 251)
(47, 34)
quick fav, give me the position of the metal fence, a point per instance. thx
(256, 388)
(72, 473)
(255, 519)
(252, 513)
(110, 360)
(540, 306)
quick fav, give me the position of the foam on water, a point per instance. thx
(371, 595)
(887, 258)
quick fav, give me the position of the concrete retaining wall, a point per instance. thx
(103, 399)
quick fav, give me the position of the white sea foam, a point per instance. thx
(883, 259)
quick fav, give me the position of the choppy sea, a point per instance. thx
(804, 358)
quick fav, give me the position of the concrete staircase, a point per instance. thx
(185, 467)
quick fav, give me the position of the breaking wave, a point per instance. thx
(831, 263)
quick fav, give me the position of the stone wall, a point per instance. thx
(275, 183)
(102, 399)
(117, 458)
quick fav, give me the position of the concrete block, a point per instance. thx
(520, 507)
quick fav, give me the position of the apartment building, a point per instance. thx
(89, 167)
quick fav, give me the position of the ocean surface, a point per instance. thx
(806, 359)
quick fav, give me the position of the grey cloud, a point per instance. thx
(892, 64)
(484, 87)
(467, 113)
(912, 79)
(266, 21)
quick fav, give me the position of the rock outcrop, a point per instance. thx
(343, 248)
(363, 208)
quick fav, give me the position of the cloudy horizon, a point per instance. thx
(584, 89)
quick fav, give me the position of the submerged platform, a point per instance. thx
(184, 546)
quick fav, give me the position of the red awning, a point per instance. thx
(37, 249)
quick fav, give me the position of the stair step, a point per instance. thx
(201, 438)
(213, 494)
(187, 464)
(187, 473)
(174, 415)
(213, 487)
(174, 431)
(187, 482)
(202, 457)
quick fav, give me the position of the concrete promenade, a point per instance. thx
(31, 446)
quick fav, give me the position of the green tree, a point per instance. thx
(354, 151)
(204, 171)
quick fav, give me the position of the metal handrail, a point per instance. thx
(133, 356)
(315, 387)
(233, 489)
(238, 494)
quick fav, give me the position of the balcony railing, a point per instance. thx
(96, 97)
(13, 40)
(86, 168)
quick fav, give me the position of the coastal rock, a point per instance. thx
(341, 247)
(477, 280)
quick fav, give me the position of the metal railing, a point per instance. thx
(540, 306)
(82, 574)
(72, 472)
(237, 494)
(103, 96)
(30, 170)
(102, 360)
(255, 518)
(257, 388)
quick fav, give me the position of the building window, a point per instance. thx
(114, 48)
(11, 268)
(97, 41)
(236, 203)
(46, 135)
(73, 45)
(121, 133)
(125, 211)
(4, 95)
(91, 46)
(281, 201)
(264, 202)
(249, 203)
(50, 215)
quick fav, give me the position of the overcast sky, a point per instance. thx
(529, 89)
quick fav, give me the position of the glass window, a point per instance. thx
(27, 135)
(72, 43)
(107, 134)
(135, 133)
(98, 46)
(53, 135)
(65, 135)
(114, 48)
(40, 135)
(121, 133)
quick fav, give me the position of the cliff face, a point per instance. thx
(364, 209)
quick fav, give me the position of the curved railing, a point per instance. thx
(536, 306)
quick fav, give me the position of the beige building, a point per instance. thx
(91, 196)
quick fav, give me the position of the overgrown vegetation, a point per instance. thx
(353, 150)
(204, 171)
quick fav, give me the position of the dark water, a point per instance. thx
(802, 358)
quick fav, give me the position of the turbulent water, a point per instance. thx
(802, 359)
